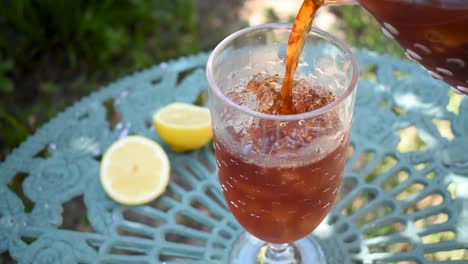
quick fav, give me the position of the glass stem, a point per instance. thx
(280, 253)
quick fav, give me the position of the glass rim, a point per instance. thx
(217, 91)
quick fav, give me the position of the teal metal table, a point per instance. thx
(395, 206)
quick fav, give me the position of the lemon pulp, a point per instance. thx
(183, 126)
(134, 170)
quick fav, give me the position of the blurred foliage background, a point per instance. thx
(53, 52)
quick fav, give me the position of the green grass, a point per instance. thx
(53, 52)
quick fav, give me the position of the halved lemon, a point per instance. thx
(183, 126)
(134, 170)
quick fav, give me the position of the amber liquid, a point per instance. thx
(300, 29)
(433, 33)
(280, 204)
(276, 197)
(283, 201)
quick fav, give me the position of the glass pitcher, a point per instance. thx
(433, 33)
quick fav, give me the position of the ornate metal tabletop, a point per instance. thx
(396, 204)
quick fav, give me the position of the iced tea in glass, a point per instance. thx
(280, 174)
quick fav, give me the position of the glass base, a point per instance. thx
(249, 249)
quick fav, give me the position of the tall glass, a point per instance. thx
(280, 174)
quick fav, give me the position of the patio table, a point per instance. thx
(396, 204)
